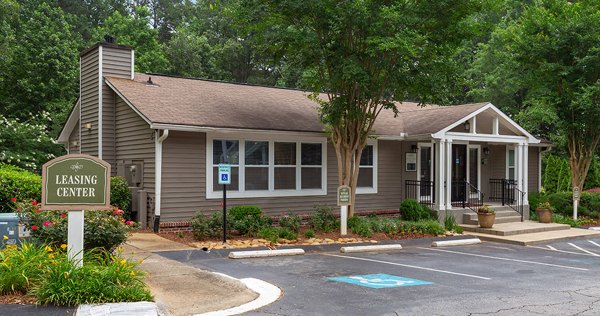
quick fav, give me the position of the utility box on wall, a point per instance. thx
(10, 227)
(132, 171)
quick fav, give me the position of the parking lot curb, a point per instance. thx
(351, 249)
(458, 242)
(265, 253)
(126, 308)
(267, 294)
(594, 228)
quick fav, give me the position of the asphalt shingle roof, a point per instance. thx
(204, 103)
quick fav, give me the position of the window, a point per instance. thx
(367, 174)
(265, 167)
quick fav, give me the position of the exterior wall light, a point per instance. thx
(87, 126)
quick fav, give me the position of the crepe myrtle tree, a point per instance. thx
(362, 57)
(550, 58)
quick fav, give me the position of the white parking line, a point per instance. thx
(563, 251)
(551, 248)
(408, 266)
(594, 243)
(506, 259)
(586, 251)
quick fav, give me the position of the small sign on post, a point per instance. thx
(75, 183)
(224, 179)
(344, 198)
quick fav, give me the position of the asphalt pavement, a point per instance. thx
(489, 278)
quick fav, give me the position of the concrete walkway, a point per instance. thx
(528, 233)
(180, 289)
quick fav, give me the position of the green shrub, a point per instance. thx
(309, 233)
(591, 201)
(247, 220)
(361, 226)
(47, 273)
(120, 196)
(451, 225)
(17, 184)
(243, 211)
(559, 218)
(206, 226)
(557, 174)
(534, 199)
(291, 222)
(287, 233)
(562, 202)
(102, 229)
(366, 226)
(412, 210)
(322, 219)
(269, 233)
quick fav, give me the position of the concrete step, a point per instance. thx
(515, 228)
(498, 220)
(539, 238)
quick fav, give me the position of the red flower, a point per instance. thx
(63, 215)
(128, 222)
(118, 212)
(46, 224)
(33, 227)
(14, 199)
(37, 210)
(33, 203)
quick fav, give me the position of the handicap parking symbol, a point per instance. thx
(379, 281)
(224, 177)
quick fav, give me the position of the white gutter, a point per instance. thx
(100, 122)
(158, 177)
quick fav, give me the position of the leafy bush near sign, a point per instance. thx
(273, 234)
(120, 196)
(322, 219)
(45, 272)
(412, 210)
(290, 221)
(102, 229)
(562, 202)
(19, 184)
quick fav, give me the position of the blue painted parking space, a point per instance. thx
(379, 281)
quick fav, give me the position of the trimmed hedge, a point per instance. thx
(562, 202)
(412, 210)
(19, 184)
(120, 196)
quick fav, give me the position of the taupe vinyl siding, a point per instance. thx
(116, 63)
(533, 170)
(89, 102)
(184, 190)
(134, 141)
(74, 138)
(497, 160)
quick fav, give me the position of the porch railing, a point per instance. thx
(506, 191)
(466, 195)
(422, 191)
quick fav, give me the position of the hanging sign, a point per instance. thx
(76, 182)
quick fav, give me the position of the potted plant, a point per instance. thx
(544, 212)
(486, 216)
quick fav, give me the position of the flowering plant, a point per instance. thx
(102, 229)
(545, 205)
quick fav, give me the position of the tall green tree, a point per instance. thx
(135, 30)
(547, 62)
(365, 56)
(191, 55)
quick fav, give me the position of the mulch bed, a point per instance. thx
(17, 298)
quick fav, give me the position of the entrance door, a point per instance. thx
(459, 172)
(426, 171)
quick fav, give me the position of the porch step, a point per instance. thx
(502, 216)
(515, 228)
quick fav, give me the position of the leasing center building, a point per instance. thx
(167, 135)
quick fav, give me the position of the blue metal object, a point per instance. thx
(11, 232)
(379, 281)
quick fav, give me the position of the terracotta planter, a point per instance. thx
(544, 215)
(486, 220)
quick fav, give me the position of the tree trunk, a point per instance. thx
(580, 160)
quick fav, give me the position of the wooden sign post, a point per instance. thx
(76, 183)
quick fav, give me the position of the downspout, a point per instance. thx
(158, 176)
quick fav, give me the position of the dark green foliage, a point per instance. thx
(536, 198)
(412, 210)
(366, 226)
(291, 222)
(205, 226)
(242, 211)
(591, 201)
(557, 175)
(451, 225)
(309, 233)
(562, 202)
(322, 219)
(120, 196)
(18, 185)
(273, 234)
(247, 219)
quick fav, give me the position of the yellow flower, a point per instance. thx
(124, 261)
(63, 246)
(132, 273)
(48, 249)
(51, 256)
(5, 237)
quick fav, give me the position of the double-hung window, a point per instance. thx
(270, 166)
(367, 174)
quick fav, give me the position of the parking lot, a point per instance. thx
(489, 278)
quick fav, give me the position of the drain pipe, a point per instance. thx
(158, 175)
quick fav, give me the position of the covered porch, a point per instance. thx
(484, 158)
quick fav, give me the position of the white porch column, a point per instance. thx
(440, 169)
(526, 173)
(519, 165)
(448, 174)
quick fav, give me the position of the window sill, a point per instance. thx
(265, 194)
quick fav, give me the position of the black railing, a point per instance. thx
(466, 195)
(501, 190)
(506, 191)
(422, 191)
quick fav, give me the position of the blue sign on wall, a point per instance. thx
(379, 281)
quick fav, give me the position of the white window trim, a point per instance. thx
(431, 168)
(372, 190)
(271, 192)
(478, 184)
(509, 148)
